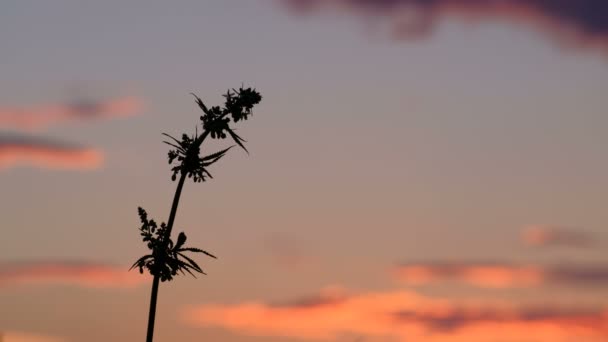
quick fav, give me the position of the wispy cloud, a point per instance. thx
(42, 116)
(42, 153)
(405, 315)
(493, 275)
(11, 336)
(582, 22)
(502, 275)
(550, 236)
(84, 274)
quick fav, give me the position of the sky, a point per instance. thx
(419, 170)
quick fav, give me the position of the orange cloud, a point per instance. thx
(42, 116)
(404, 315)
(544, 235)
(90, 275)
(493, 275)
(502, 275)
(25, 337)
(583, 22)
(46, 154)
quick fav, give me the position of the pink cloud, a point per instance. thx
(582, 22)
(42, 116)
(26, 151)
(406, 316)
(89, 275)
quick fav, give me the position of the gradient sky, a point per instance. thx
(442, 181)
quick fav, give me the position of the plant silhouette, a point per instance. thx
(168, 258)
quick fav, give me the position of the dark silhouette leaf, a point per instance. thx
(177, 147)
(172, 138)
(237, 139)
(192, 263)
(197, 250)
(212, 158)
(140, 261)
(201, 104)
(181, 239)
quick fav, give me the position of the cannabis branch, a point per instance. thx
(167, 259)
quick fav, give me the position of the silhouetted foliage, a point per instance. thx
(168, 258)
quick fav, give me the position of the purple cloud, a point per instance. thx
(582, 22)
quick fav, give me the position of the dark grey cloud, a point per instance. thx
(578, 21)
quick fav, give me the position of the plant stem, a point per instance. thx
(152, 314)
(155, 282)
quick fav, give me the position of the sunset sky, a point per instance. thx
(419, 170)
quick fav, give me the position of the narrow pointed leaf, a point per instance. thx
(237, 139)
(201, 104)
(140, 261)
(192, 262)
(179, 148)
(188, 270)
(177, 141)
(197, 250)
(216, 156)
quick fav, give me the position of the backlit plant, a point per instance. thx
(167, 259)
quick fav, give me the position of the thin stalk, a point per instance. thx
(156, 281)
(152, 314)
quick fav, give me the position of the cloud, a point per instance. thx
(43, 116)
(26, 337)
(83, 274)
(493, 275)
(405, 315)
(11, 336)
(503, 275)
(576, 21)
(457, 318)
(36, 152)
(543, 235)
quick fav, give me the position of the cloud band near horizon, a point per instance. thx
(404, 315)
(76, 273)
(29, 151)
